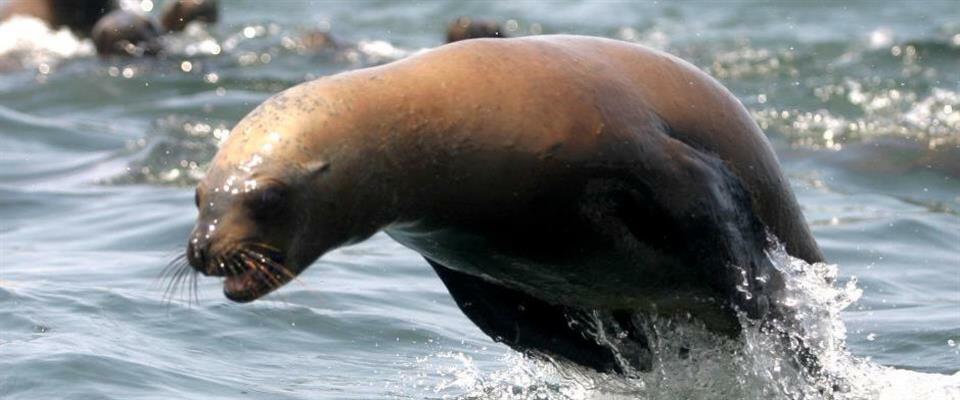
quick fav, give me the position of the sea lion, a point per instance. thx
(177, 14)
(464, 28)
(123, 33)
(77, 15)
(319, 40)
(548, 180)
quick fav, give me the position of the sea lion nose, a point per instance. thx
(197, 254)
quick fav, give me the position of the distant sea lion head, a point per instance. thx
(282, 190)
(319, 40)
(464, 28)
(178, 13)
(125, 33)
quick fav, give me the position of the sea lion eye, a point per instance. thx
(268, 200)
(196, 197)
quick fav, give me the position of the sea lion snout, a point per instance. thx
(206, 250)
(250, 265)
(197, 255)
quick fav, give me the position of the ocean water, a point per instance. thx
(98, 157)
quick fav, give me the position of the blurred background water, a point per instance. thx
(97, 160)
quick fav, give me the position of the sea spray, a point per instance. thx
(691, 362)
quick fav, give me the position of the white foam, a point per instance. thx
(34, 44)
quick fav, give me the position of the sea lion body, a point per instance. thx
(542, 178)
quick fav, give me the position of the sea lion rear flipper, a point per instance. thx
(526, 324)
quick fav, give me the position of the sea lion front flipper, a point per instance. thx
(526, 324)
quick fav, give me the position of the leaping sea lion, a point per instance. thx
(543, 178)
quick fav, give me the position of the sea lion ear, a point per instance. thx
(315, 168)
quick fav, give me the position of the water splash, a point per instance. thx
(692, 362)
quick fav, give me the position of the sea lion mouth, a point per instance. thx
(252, 271)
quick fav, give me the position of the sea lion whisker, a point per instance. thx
(253, 250)
(275, 266)
(188, 287)
(172, 283)
(238, 267)
(181, 257)
(273, 282)
(177, 279)
(269, 261)
(163, 279)
(258, 255)
(166, 291)
(235, 266)
(184, 285)
(176, 262)
(196, 287)
(253, 265)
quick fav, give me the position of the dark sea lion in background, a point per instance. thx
(464, 28)
(550, 181)
(123, 33)
(320, 40)
(77, 15)
(177, 14)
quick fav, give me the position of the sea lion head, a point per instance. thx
(126, 34)
(178, 13)
(464, 28)
(319, 40)
(283, 189)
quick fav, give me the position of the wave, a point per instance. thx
(176, 152)
(933, 120)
